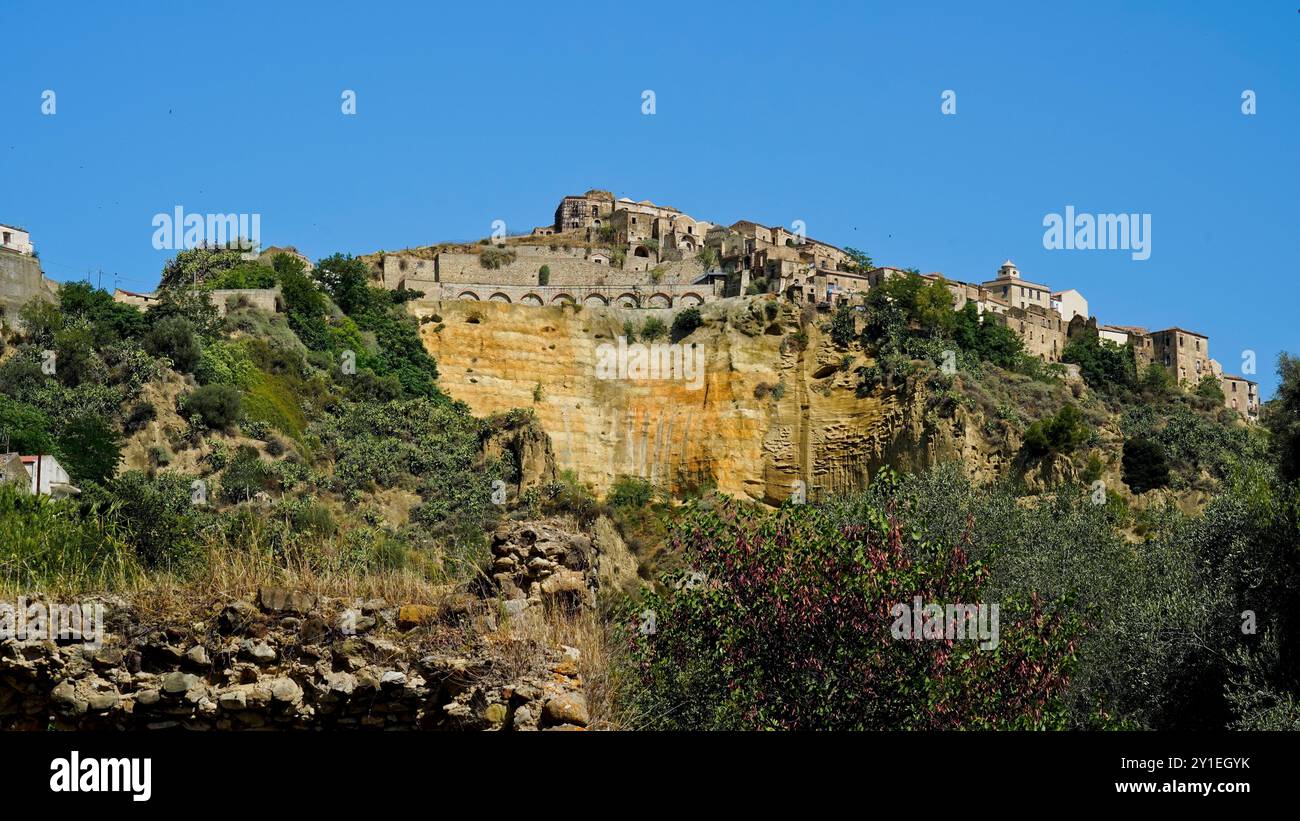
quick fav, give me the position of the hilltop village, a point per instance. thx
(602, 251)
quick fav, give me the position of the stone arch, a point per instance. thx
(560, 299)
(641, 251)
(499, 297)
(690, 299)
(660, 301)
(469, 295)
(530, 299)
(628, 300)
(595, 299)
(686, 244)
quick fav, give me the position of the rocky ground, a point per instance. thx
(288, 660)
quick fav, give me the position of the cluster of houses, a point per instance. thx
(618, 252)
(1045, 319)
(749, 258)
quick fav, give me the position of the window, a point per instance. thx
(7, 235)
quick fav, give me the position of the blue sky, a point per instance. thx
(827, 113)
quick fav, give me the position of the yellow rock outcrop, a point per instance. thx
(777, 405)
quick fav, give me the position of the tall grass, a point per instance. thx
(48, 545)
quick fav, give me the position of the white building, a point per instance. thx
(44, 475)
(1069, 304)
(15, 239)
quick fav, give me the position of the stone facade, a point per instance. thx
(1186, 354)
(266, 299)
(1018, 292)
(1242, 395)
(21, 280)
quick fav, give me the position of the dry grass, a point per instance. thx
(524, 643)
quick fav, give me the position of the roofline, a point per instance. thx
(1181, 330)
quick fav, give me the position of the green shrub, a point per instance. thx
(174, 338)
(1060, 434)
(630, 491)
(1209, 388)
(685, 323)
(156, 516)
(1144, 465)
(218, 406)
(653, 329)
(493, 258)
(89, 450)
(244, 476)
(842, 329)
(789, 620)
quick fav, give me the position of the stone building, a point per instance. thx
(1242, 395)
(223, 299)
(582, 211)
(1134, 336)
(1017, 291)
(1042, 330)
(1185, 354)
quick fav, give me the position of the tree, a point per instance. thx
(89, 450)
(111, 320)
(346, 280)
(544, 276)
(842, 328)
(1210, 388)
(986, 338)
(174, 338)
(1104, 365)
(41, 320)
(1157, 382)
(192, 304)
(304, 302)
(194, 266)
(860, 260)
(26, 428)
(1282, 417)
(1144, 465)
(244, 476)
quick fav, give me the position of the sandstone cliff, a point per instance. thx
(778, 404)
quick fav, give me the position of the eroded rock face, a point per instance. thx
(275, 666)
(777, 412)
